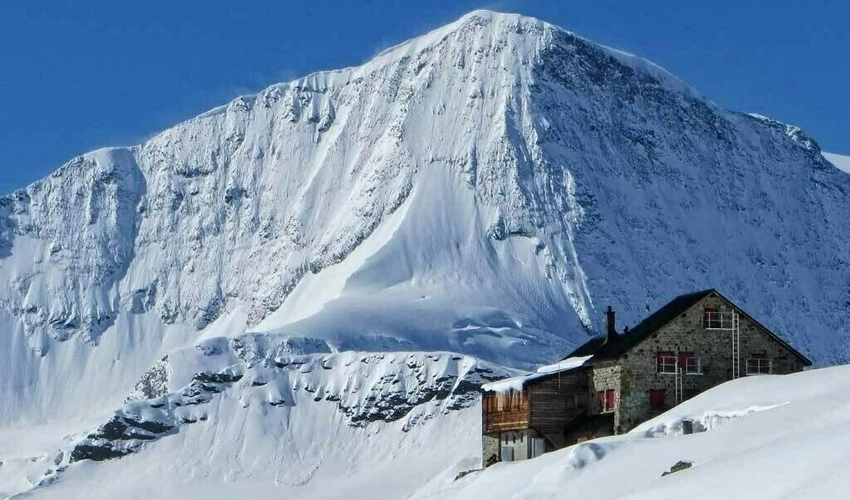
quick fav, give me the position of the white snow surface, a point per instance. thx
(282, 420)
(765, 437)
(485, 189)
(842, 162)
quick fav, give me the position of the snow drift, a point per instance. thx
(763, 437)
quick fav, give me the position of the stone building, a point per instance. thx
(612, 383)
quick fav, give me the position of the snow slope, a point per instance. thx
(483, 189)
(841, 162)
(765, 437)
(263, 414)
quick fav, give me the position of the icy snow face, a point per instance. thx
(481, 189)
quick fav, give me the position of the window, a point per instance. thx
(656, 399)
(759, 364)
(606, 401)
(710, 318)
(666, 362)
(691, 364)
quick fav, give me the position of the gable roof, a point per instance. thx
(621, 344)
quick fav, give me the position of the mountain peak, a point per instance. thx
(475, 27)
(473, 189)
(479, 15)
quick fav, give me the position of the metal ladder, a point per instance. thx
(736, 345)
(680, 383)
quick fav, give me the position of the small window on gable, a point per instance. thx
(665, 362)
(710, 318)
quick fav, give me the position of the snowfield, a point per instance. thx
(296, 292)
(256, 414)
(765, 437)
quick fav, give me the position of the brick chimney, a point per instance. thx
(610, 328)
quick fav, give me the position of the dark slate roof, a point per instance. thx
(606, 351)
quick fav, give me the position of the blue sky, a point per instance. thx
(78, 75)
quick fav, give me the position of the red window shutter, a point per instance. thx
(609, 399)
(656, 398)
(601, 400)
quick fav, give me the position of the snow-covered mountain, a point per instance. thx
(483, 189)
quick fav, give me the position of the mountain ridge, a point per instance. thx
(526, 152)
(486, 189)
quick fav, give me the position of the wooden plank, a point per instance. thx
(505, 411)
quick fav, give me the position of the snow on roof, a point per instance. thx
(517, 383)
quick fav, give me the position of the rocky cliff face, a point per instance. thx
(264, 372)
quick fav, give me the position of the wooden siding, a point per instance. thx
(506, 411)
(555, 402)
